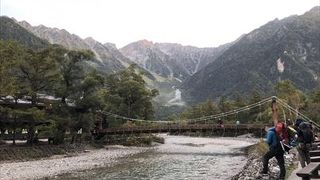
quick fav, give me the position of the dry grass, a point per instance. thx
(258, 149)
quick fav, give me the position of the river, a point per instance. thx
(179, 158)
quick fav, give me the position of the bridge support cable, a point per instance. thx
(288, 107)
(201, 124)
(194, 120)
(228, 113)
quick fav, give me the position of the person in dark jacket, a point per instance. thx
(305, 140)
(275, 150)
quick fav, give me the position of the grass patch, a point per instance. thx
(257, 150)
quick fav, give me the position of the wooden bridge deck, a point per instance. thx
(227, 129)
(231, 128)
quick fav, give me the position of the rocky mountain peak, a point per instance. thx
(56, 36)
(314, 10)
(170, 59)
(141, 45)
(90, 41)
(110, 45)
(11, 30)
(279, 50)
(23, 23)
(108, 59)
(313, 14)
(145, 43)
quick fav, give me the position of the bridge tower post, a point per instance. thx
(275, 117)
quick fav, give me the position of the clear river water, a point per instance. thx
(180, 157)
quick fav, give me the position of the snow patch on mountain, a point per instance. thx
(177, 100)
(280, 65)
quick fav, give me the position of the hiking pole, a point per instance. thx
(283, 148)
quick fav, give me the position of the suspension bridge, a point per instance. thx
(205, 124)
(202, 124)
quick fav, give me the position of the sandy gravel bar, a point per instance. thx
(58, 165)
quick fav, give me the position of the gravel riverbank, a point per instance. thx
(19, 153)
(254, 164)
(62, 164)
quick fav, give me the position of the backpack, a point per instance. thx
(282, 133)
(298, 122)
(292, 136)
(305, 133)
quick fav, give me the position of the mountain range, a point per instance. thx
(108, 58)
(281, 49)
(10, 30)
(167, 64)
(171, 60)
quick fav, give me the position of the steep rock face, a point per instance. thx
(105, 55)
(191, 58)
(279, 50)
(10, 30)
(169, 59)
(56, 36)
(117, 54)
(108, 58)
(146, 55)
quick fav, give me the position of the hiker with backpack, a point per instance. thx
(305, 140)
(277, 138)
(275, 149)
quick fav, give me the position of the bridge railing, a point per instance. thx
(169, 127)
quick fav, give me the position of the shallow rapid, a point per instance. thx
(179, 158)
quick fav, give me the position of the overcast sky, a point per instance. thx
(202, 23)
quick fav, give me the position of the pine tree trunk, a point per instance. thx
(30, 137)
(14, 137)
(14, 131)
(72, 139)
